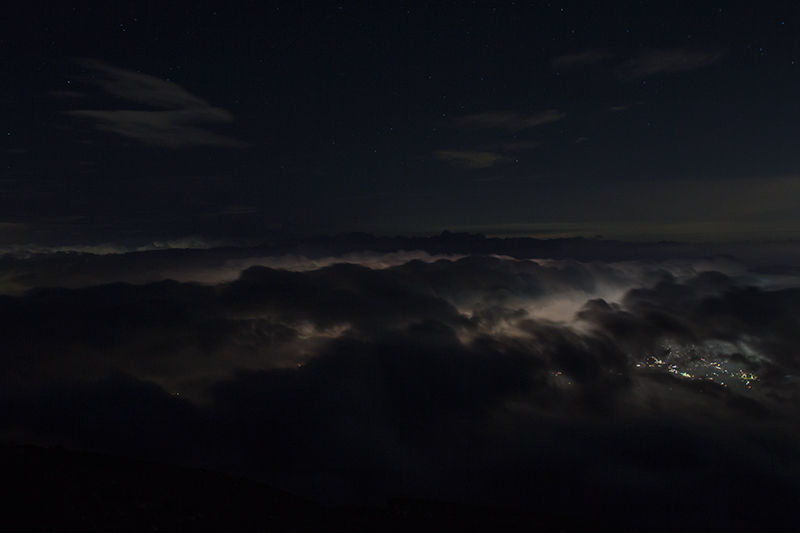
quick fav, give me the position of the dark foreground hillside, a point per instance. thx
(53, 489)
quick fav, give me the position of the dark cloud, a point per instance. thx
(175, 124)
(600, 389)
(117, 414)
(141, 88)
(710, 307)
(341, 294)
(168, 129)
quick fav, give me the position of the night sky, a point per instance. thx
(542, 256)
(255, 120)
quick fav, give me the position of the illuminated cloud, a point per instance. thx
(512, 122)
(192, 242)
(470, 159)
(24, 251)
(175, 124)
(29, 250)
(372, 260)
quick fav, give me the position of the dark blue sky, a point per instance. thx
(255, 120)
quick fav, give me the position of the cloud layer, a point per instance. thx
(592, 388)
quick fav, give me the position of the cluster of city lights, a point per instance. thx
(713, 361)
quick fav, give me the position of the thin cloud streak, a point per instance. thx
(512, 122)
(470, 159)
(168, 129)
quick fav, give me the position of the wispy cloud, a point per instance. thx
(170, 129)
(177, 123)
(512, 122)
(663, 61)
(142, 88)
(469, 159)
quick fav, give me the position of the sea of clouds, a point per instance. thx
(616, 390)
